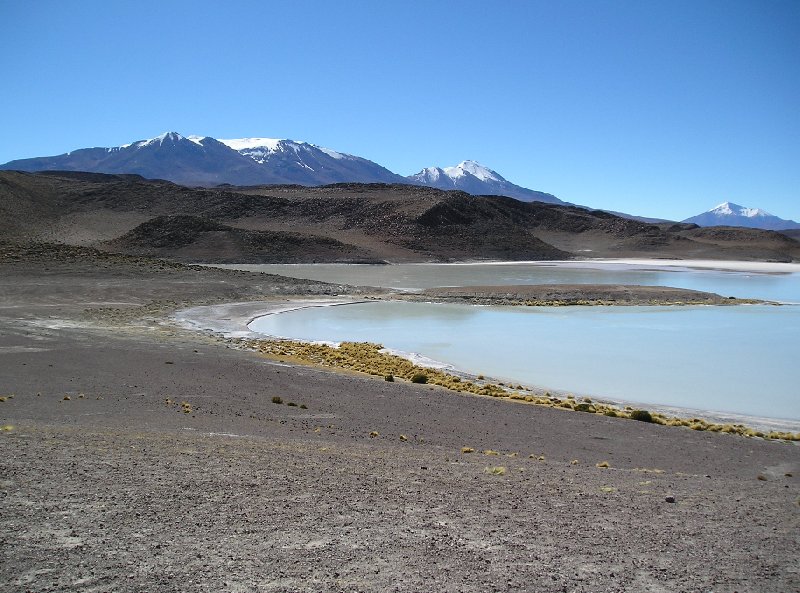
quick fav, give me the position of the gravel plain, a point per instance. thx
(138, 455)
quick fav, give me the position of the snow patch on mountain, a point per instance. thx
(731, 209)
(477, 179)
(270, 144)
(473, 168)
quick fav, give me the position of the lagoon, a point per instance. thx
(734, 361)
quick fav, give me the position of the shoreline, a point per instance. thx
(740, 266)
(758, 267)
(236, 326)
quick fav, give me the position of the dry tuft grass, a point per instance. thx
(365, 357)
(602, 464)
(467, 450)
(497, 470)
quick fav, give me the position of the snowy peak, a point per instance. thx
(731, 209)
(475, 169)
(260, 149)
(730, 214)
(160, 140)
(477, 179)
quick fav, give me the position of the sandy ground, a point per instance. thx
(124, 487)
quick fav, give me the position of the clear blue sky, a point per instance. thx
(656, 108)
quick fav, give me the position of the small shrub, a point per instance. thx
(303, 407)
(292, 404)
(496, 471)
(603, 464)
(467, 450)
(641, 415)
(419, 378)
(374, 434)
(277, 399)
(389, 378)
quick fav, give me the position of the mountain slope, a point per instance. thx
(192, 238)
(204, 161)
(730, 214)
(342, 222)
(474, 178)
(307, 164)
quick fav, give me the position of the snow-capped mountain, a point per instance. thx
(474, 178)
(730, 214)
(204, 161)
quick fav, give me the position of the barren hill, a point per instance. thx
(341, 222)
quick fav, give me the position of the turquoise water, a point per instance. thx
(735, 360)
(740, 360)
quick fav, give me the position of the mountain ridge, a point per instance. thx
(734, 215)
(203, 161)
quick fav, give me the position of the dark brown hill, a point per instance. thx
(192, 239)
(341, 222)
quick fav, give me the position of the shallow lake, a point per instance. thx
(738, 360)
(782, 283)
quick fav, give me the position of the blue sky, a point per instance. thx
(656, 108)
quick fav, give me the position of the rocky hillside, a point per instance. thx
(341, 222)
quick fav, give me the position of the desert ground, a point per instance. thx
(142, 455)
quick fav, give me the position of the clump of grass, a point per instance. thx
(584, 407)
(186, 407)
(277, 399)
(292, 405)
(490, 452)
(7, 428)
(419, 378)
(467, 450)
(374, 434)
(497, 470)
(389, 378)
(641, 415)
(303, 407)
(403, 438)
(67, 398)
(602, 464)
(574, 462)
